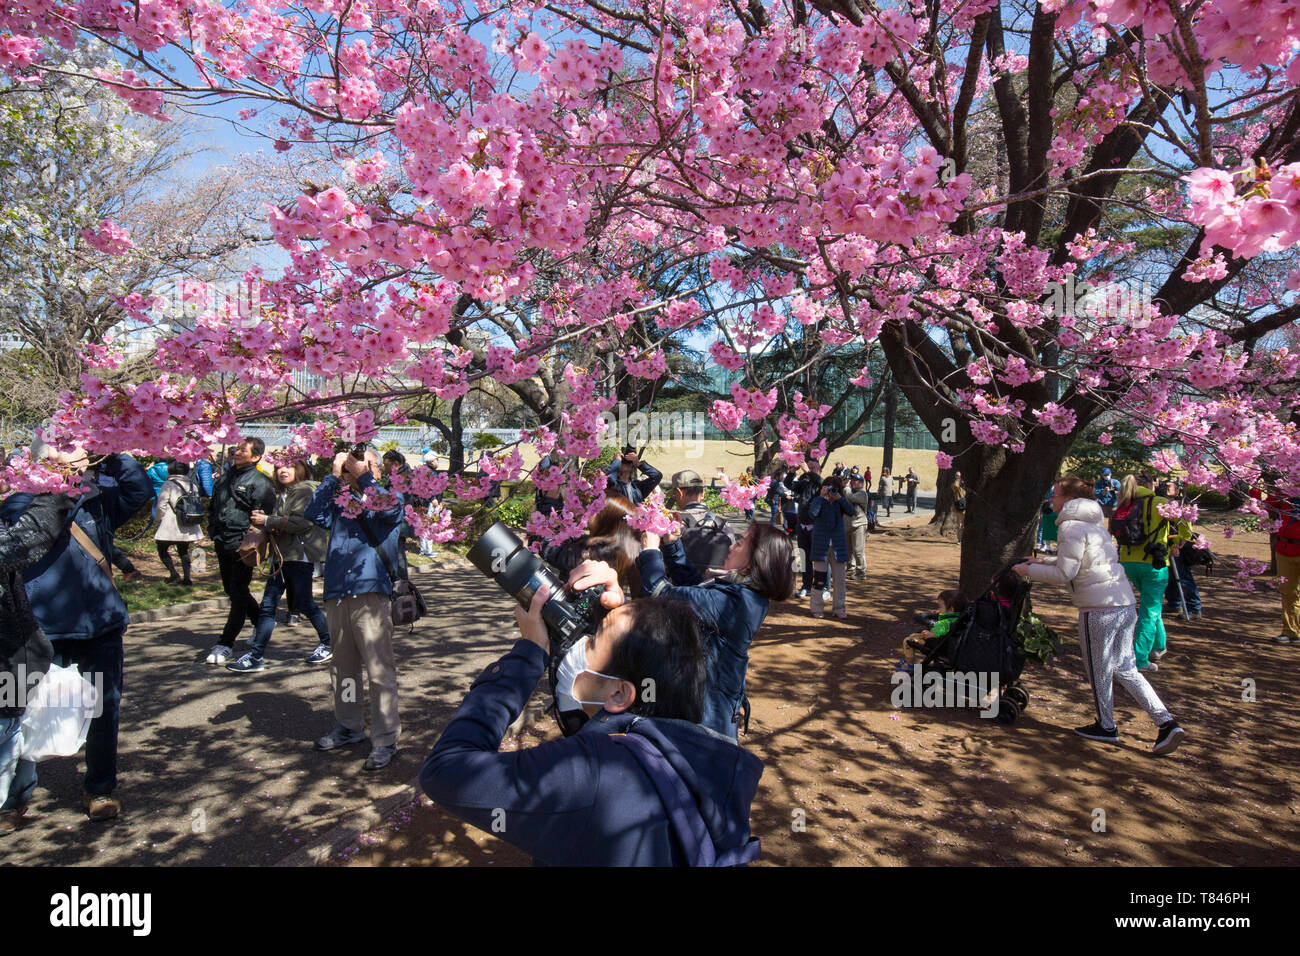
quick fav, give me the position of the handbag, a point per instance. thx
(253, 547)
(405, 603)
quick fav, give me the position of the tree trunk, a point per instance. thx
(456, 440)
(945, 515)
(1003, 495)
(891, 418)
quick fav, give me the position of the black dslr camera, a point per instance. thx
(570, 616)
(1158, 552)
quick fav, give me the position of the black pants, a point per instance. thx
(235, 579)
(182, 549)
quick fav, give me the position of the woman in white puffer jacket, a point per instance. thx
(1087, 563)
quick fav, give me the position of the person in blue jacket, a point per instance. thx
(830, 548)
(358, 589)
(622, 480)
(79, 609)
(203, 475)
(641, 784)
(760, 570)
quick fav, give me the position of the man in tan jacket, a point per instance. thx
(861, 500)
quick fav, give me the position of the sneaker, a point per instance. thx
(247, 664)
(841, 615)
(132, 576)
(380, 757)
(1170, 736)
(322, 655)
(801, 593)
(826, 596)
(220, 654)
(1193, 615)
(1153, 666)
(1156, 655)
(340, 736)
(1285, 639)
(1096, 731)
(102, 807)
(818, 614)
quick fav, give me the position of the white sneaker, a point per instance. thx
(220, 654)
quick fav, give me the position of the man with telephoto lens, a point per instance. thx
(641, 784)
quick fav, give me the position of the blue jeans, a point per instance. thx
(295, 577)
(17, 777)
(1191, 593)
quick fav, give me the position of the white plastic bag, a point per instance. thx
(58, 714)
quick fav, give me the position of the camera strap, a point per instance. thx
(383, 556)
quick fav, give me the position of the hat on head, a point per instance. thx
(1105, 471)
(688, 480)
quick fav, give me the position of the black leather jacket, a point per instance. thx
(24, 649)
(235, 496)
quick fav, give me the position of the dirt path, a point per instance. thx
(850, 780)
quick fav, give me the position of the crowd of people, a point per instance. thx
(660, 684)
(54, 545)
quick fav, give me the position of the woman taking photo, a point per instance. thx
(297, 544)
(1087, 563)
(760, 570)
(170, 530)
(831, 514)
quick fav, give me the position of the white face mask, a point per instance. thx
(575, 663)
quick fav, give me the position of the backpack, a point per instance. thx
(1129, 525)
(189, 509)
(707, 540)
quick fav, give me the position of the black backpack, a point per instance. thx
(1129, 524)
(707, 540)
(189, 508)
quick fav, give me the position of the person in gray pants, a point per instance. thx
(1086, 561)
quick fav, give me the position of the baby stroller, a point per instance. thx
(984, 641)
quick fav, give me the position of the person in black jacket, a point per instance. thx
(806, 490)
(240, 491)
(24, 648)
(641, 784)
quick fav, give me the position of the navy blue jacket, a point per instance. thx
(72, 596)
(583, 800)
(731, 614)
(352, 566)
(829, 528)
(640, 487)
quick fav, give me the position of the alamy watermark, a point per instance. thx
(683, 429)
(932, 688)
(1113, 300)
(20, 687)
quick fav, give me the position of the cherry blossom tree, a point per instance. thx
(940, 177)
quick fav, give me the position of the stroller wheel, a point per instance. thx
(1008, 711)
(1019, 695)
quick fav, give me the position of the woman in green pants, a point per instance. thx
(1147, 564)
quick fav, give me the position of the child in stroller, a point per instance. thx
(982, 640)
(936, 624)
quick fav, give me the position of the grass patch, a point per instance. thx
(145, 595)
